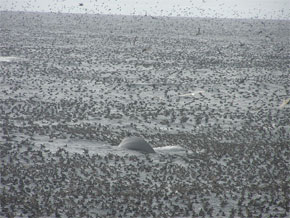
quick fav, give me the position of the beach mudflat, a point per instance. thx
(210, 95)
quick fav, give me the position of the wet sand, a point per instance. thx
(212, 102)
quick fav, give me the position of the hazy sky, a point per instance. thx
(275, 9)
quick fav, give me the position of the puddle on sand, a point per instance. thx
(11, 59)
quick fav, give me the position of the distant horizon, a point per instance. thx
(234, 9)
(136, 15)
